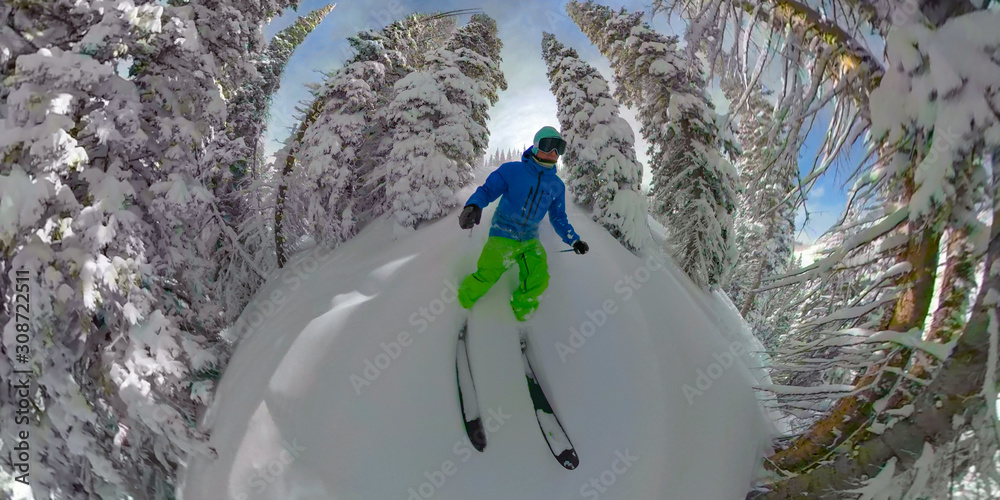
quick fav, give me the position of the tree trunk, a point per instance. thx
(279, 209)
(948, 395)
(958, 387)
(852, 412)
(253, 170)
(752, 293)
(816, 30)
(959, 276)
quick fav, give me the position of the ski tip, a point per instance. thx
(569, 459)
(477, 434)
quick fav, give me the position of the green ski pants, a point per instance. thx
(498, 255)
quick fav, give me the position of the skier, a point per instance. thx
(527, 190)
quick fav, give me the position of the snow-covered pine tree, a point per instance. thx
(937, 51)
(64, 243)
(322, 187)
(249, 107)
(113, 227)
(765, 222)
(419, 34)
(928, 174)
(693, 185)
(477, 47)
(702, 194)
(573, 105)
(238, 187)
(249, 69)
(603, 172)
(437, 124)
(290, 222)
(409, 42)
(248, 110)
(399, 48)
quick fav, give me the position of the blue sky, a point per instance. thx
(527, 104)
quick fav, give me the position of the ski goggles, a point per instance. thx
(547, 144)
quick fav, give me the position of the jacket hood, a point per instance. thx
(529, 159)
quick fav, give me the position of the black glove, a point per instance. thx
(580, 247)
(469, 217)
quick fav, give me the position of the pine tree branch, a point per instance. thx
(234, 239)
(963, 377)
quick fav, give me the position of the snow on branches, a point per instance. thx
(324, 186)
(603, 172)
(939, 100)
(432, 141)
(437, 124)
(117, 227)
(694, 184)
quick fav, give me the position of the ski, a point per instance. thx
(467, 399)
(555, 435)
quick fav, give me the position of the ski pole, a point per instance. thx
(570, 250)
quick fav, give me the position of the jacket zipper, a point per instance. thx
(525, 206)
(531, 209)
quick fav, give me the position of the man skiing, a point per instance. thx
(527, 189)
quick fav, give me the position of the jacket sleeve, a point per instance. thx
(494, 186)
(557, 216)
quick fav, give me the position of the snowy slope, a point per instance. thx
(648, 398)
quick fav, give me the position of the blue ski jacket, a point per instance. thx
(527, 191)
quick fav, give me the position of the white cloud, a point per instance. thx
(518, 115)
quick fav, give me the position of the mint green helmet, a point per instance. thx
(543, 133)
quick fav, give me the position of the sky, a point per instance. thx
(528, 103)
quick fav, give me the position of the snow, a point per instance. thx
(912, 339)
(288, 423)
(989, 391)
(909, 484)
(923, 467)
(21, 202)
(941, 80)
(880, 487)
(851, 312)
